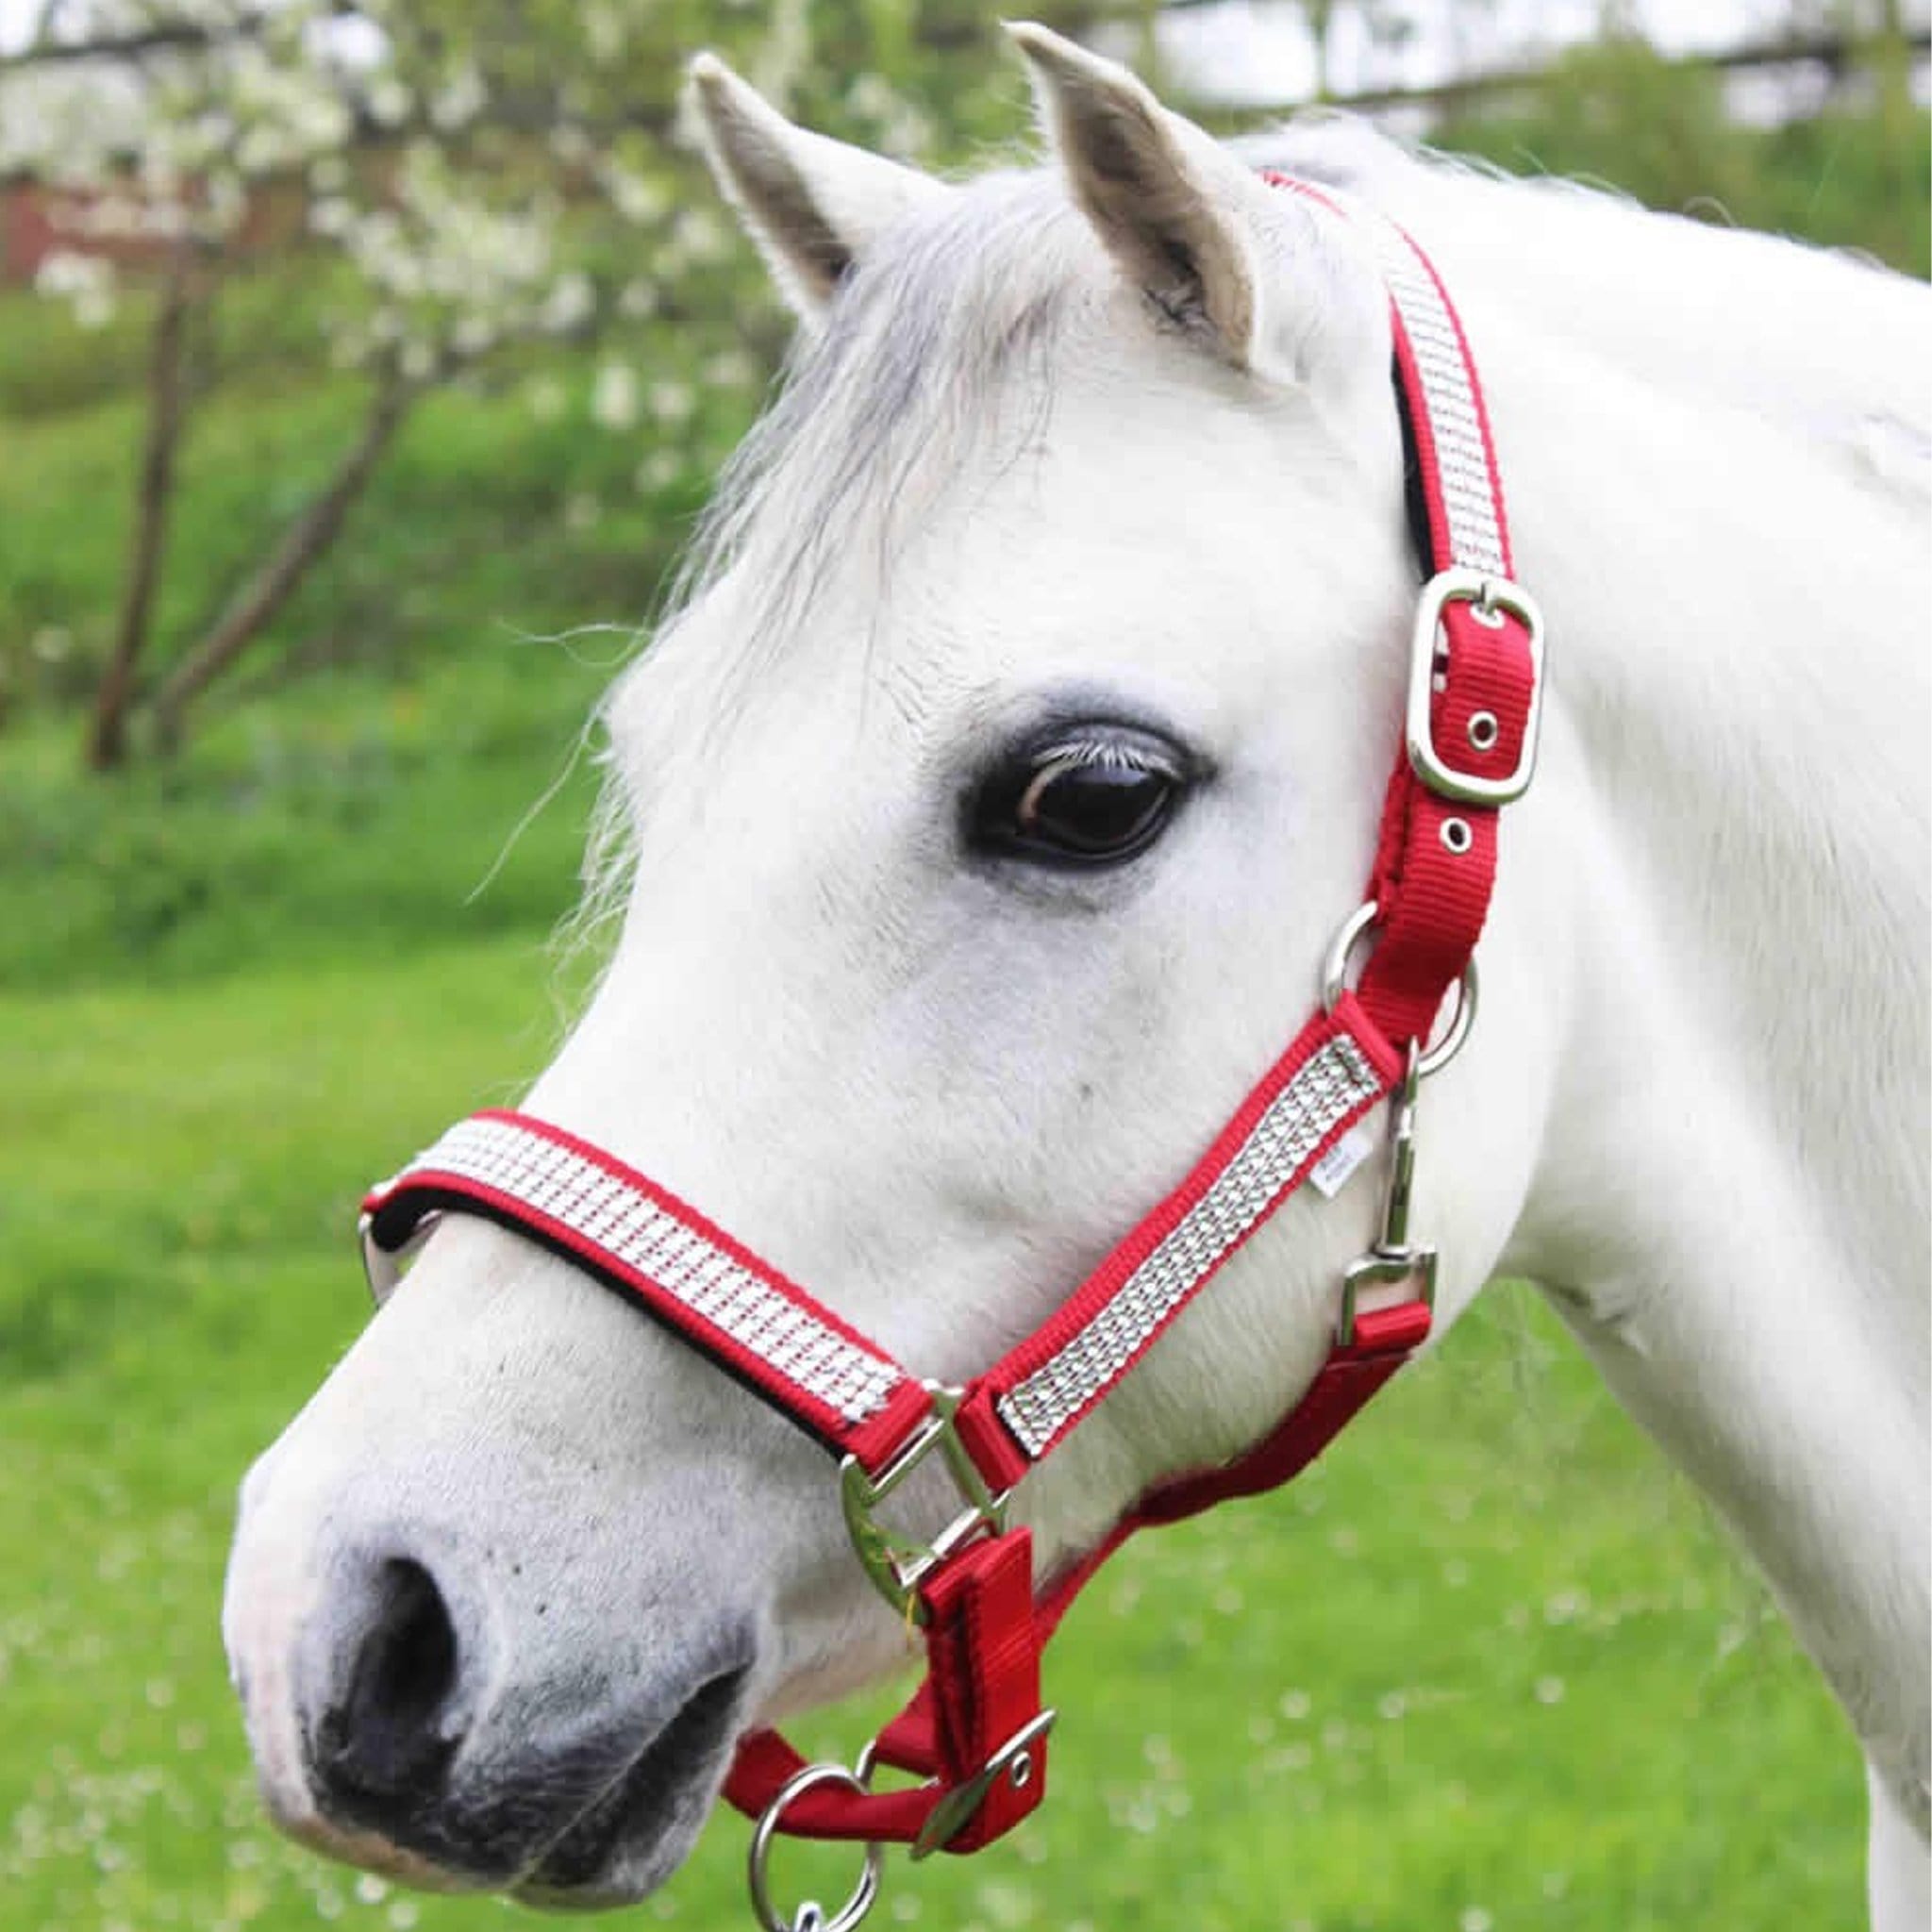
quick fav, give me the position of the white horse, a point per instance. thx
(1106, 456)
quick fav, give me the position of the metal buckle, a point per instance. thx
(1394, 1259)
(961, 1806)
(1490, 596)
(896, 1565)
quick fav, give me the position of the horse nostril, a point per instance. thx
(388, 1735)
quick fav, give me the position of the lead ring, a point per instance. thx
(860, 1904)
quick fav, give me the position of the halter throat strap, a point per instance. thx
(973, 1736)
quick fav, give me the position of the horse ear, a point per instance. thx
(812, 205)
(1166, 198)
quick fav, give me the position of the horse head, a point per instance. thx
(986, 811)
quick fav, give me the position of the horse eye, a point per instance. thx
(1094, 798)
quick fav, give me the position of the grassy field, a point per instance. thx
(1486, 1668)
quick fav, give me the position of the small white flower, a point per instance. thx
(636, 300)
(672, 402)
(658, 470)
(389, 101)
(614, 398)
(571, 302)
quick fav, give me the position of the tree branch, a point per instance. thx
(302, 545)
(107, 745)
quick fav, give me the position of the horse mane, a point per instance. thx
(1721, 313)
(936, 335)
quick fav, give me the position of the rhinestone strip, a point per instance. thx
(645, 1237)
(1469, 488)
(1334, 1082)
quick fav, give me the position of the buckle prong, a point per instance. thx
(1014, 1759)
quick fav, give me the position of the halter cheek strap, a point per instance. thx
(974, 1736)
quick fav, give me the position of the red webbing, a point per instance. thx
(981, 1687)
(982, 1681)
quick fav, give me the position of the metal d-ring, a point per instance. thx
(1357, 927)
(810, 1917)
(1335, 969)
(383, 1267)
(1452, 1042)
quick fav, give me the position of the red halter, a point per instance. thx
(974, 1734)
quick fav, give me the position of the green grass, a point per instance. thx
(1487, 1666)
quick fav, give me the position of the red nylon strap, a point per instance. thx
(982, 1683)
(1385, 1340)
(1431, 885)
(981, 1690)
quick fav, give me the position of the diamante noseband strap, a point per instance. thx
(974, 1734)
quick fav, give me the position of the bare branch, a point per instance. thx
(303, 545)
(107, 745)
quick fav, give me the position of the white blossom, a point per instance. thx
(637, 299)
(388, 101)
(672, 402)
(85, 282)
(614, 397)
(571, 303)
(459, 100)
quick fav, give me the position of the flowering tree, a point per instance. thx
(471, 174)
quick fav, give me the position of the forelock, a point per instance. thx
(940, 347)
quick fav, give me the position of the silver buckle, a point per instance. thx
(897, 1565)
(1491, 595)
(961, 1806)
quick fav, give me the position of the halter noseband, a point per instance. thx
(973, 1736)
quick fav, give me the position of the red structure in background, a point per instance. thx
(37, 222)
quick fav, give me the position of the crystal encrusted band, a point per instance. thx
(604, 1211)
(1334, 1082)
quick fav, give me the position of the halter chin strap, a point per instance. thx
(973, 1736)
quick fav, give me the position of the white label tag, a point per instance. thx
(1330, 1174)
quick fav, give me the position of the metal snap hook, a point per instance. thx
(810, 1916)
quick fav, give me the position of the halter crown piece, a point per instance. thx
(974, 1737)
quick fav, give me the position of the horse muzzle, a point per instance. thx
(405, 1715)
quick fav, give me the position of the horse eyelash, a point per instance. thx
(1078, 754)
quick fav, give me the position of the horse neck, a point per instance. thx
(1730, 824)
(1737, 663)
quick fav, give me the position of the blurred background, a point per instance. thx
(363, 367)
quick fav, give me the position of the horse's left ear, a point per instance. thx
(1186, 220)
(813, 205)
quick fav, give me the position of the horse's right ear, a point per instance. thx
(813, 206)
